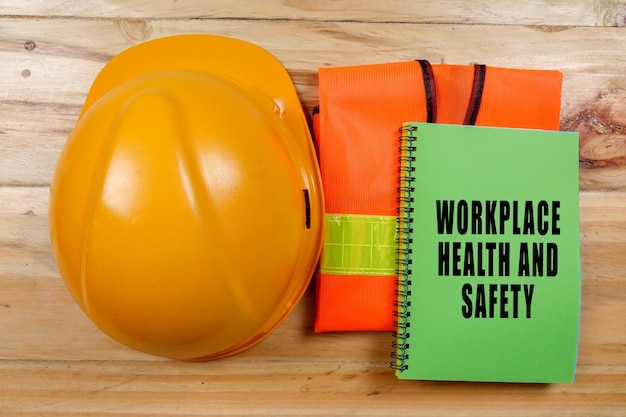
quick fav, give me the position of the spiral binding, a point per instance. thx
(404, 235)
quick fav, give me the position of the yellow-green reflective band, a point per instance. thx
(357, 244)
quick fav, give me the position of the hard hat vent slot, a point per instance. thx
(307, 209)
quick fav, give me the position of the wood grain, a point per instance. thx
(303, 389)
(49, 70)
(533, 12)
(54, 362)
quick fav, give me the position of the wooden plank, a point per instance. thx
(229, 387)
(47, 70)
(534, 12)
(24, 243)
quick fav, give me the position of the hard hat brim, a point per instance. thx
(231, 58)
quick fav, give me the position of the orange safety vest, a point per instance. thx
(356, 127)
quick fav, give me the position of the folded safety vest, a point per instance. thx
(361, 109)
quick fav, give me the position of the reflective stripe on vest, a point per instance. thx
(359, 245)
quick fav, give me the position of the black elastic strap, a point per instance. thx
(430, 90)
(477, 94)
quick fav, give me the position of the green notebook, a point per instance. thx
(489, 244)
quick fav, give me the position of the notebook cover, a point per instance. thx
(490, 284)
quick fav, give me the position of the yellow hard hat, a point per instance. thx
(186, 207)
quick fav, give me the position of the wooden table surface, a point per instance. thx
(54, 362)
